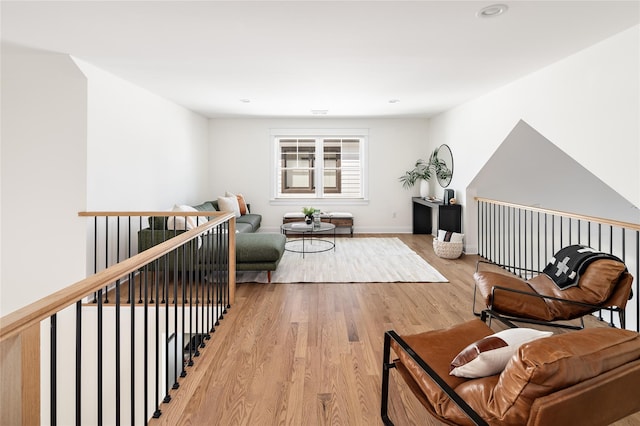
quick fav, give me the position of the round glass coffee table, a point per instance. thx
(310, 237)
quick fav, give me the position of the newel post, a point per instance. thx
(232, 261)
(20, 378)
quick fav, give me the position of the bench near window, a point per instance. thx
(339, 219)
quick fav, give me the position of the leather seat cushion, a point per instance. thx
(541, 368)
(438, 348)
(596, 284)
(511, 303)
(538, 369)
(547, 365)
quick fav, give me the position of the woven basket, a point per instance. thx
(447, 249)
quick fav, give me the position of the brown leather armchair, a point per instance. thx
(604, 284)
(586, 377)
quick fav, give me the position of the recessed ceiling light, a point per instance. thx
(245, 101)
(319, 111)
(492, 10)
(394, 101)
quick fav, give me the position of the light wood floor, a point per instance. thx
(311, 354)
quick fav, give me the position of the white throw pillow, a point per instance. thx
(178, 222)
(454, 237)
(229, 204)
(490, 355)
(457, 238)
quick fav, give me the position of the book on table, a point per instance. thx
(300, 225)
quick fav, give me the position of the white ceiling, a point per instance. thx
(350, 58)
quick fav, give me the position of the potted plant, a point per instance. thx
(308, 214)
(421, 172)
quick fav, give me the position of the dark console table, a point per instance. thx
(449, 216)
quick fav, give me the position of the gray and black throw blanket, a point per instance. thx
(568, 263)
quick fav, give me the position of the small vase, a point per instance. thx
(424, 188)
(307, 220)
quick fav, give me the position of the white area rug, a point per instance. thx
(354, 260)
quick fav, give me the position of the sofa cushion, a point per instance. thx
(158, 223)
(207, 206)
(215, 205)
(251, 219)
(243, 228)
(257, 248)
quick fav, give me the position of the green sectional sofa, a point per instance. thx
(249, 222)
(254, 251)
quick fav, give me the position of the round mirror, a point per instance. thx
(443, 165)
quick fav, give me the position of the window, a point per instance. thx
(319, 167)
(297, 166)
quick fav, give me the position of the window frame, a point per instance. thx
(310, 170)
(319, 196)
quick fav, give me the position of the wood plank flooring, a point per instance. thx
(311, 354)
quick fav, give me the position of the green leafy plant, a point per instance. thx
(422, 170)
(308, 211)
(440, 167)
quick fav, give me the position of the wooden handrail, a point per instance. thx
(627, 225)
(23, 318)
(153, 213)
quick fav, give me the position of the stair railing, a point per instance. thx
(117, 345)
(523, 239)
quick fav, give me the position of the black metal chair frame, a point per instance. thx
(507, 319)
(386, 366)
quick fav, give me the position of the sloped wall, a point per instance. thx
(587, 105)
(549, 178)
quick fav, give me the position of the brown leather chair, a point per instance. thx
(604, 285)
(586, 377)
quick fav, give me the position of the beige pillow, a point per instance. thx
(178, 222)
(242, 204)
(229, 204)
(452, 237)
(490, 355)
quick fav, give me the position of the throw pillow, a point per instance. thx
(229, 204)
(241, 202)
(449, 236)
(490, 355)
(184, 223)
(457, 238)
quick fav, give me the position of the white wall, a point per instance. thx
(143, 151)
(586, 104)
(43, 175)
(240, 159)
(82, 139)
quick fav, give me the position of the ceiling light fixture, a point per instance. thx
(245, 101)
(394, 101)
(492, 10)
(319, 111)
